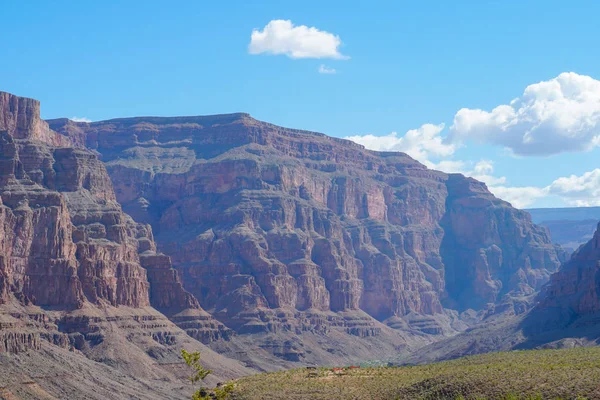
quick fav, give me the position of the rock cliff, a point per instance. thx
(492, 252)
(273, 245)
(272, 227)
(566, 314)
(20, 118)
(76, 272)
(576, 287)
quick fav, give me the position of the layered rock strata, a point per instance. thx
(575, 289)
(271, 226)
(64, 239)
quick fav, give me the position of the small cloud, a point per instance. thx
(282, 37)
(82, 119)
(421, 144)
(323, 69)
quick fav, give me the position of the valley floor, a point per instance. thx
(536, 374)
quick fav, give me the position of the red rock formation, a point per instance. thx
(264, 221)
(20, 118)
(64, 240)
(297, 239)
(493, 249)
(576, 287)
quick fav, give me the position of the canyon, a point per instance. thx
(123, 241)
(565, 314)
(76, 274)
(570, 226)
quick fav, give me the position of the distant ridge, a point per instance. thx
(539, 215)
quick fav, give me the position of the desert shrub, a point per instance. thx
(221, 392)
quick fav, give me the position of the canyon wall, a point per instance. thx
(67, 247)
(272, 245)
(575, 289)
(270, 226)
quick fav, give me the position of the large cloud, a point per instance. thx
(559, 115)
(421, 144)
(282, 37)
(579, 191)
(554, 116)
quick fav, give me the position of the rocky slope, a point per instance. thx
(280, 230)
(567, 314)
(575, 289)
(77, 273)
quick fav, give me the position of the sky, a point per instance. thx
(505, 91)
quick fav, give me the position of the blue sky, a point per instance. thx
(410, 64)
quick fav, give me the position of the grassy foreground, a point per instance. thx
(537, 374)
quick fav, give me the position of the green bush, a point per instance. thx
(203, 393)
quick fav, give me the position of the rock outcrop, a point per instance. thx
(575, 289)
(64, 237)
(20, 118)
(67, 246)
(271, 226)
(492, 252)
(566, 314)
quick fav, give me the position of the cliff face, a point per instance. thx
(566, 315)
(66, 244)
(271, 226)
(64, 237)
(575, 289)
(20, 118)
(311, 248)
(492, 253)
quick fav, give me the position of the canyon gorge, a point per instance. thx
(123, 241)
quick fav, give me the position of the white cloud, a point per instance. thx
(282, 37)
(483, 171)
(447, 166)
(519, 197)
(421, 144)
(580, 191)
(82, 119)
(559, 115)
(323, 69)
(562, 114)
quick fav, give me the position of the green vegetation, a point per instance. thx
(519, 375)
(221, 392)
